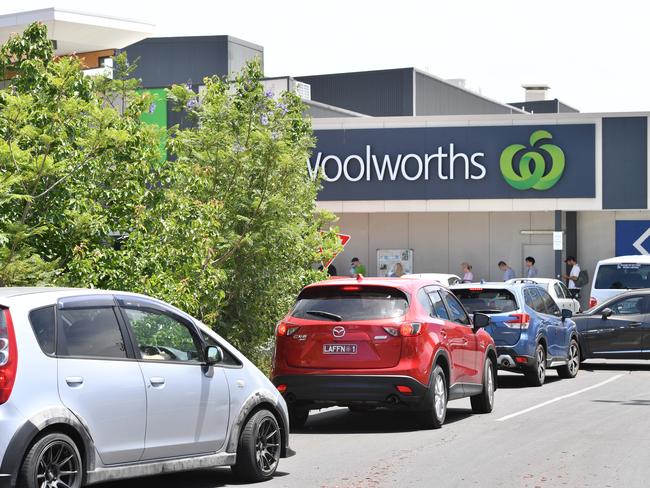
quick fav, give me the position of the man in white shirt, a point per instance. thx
(573, 275)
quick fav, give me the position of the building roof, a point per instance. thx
(77, 32)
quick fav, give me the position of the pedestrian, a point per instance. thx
(531, 269)
(508, 273)
(468, 276)
(573, 276)
(357, 268)
(397, 272)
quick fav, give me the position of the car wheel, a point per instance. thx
(53, 461)
(258, 452)
(537, 375)
(434, 413)
(570, 370)
(484, 403)
(298, 417)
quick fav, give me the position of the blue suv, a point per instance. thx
(529, 329)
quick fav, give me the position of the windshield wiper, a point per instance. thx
(327, 315)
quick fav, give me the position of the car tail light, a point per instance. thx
(351, 288)
(412, 329)
(8, 356)
(518, 320)
(521, 359)
(285, 330)
(476, 289)
(592, 302)
(406, 390)
(282, 388)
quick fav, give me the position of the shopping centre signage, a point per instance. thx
(531, 161)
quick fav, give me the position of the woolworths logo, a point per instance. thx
(532, 164)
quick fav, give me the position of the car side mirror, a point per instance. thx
(566, 313)
(480, 321)
(605, 313)
(213, 355)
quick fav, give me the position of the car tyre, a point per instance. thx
(260, 445)
(53, 460)
(570, 370)
(484, 402)
(537, 374)
(298, 417)
(435, 412)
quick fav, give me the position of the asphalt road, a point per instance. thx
(592, 431)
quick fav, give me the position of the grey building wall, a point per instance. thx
(375, 93)
(317, 110)
(437, 97)
(164, 61)
(545, 107)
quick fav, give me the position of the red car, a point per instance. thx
(391, 342)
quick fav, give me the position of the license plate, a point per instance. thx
(339, 348)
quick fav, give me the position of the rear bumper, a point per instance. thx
(328, 390)
(5, 481)
(509, 359)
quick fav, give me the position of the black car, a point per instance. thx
(618, 328)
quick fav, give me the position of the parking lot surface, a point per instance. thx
(591, 431)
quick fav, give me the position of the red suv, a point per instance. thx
(392, 342)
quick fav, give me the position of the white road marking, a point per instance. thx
(557, 399)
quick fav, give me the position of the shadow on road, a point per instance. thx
(519, 380)
(380, 421)
(616, 365)
(637, 403)
(207, 478)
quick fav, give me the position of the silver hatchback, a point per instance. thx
(98, 386)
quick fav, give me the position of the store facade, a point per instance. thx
(483, 188)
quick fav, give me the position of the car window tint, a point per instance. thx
(567, 293)
(425, 302)
(558, 290)
(228, 358)
(623, 276)
(456, 310)
(90, 332)
(549, 304)
(438, 305)
(160, 337)
(42, 321)
(350, 302)
(485, 300)
(630, 306)
(535, 300)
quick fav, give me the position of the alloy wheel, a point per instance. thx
(267, 445)
(574, 359)
(489, 383)
(439, 397)
(541, 364)
(58, 466)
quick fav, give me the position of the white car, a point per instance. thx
(557, 289)
(445, 279)
(614, 276)
(102, 386)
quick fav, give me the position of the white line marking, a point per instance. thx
(597, 385)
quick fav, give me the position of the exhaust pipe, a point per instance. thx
(392, 399)
(505, 361)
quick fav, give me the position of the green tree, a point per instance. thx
(72, 167)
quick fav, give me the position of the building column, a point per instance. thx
(558, 254)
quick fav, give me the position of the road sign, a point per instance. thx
(344, 238)
(632, 237)
(558, 238)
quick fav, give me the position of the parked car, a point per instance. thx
(445, 279)
(617, 328)
(557, 289)
(614, 276)
(391, 342)
(99, 386)
(530, 331)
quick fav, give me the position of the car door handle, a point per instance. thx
(157, 381)
(74, 381)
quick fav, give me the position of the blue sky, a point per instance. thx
(593, 54)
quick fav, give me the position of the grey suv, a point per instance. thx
(98, 386)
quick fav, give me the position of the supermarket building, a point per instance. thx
(419, 165)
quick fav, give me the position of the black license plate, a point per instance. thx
(339, 348)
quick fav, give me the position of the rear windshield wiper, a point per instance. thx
(327, 315)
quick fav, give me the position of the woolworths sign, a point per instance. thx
(555, 161)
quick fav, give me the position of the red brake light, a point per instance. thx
(476, 289)
(592, 302)
(282, 388)
(407, 330)
(521, 360)
(521, 319)
(351, 288)
(281, 329)
(8, 356)
(404, 389)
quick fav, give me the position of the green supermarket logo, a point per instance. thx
(532, 170)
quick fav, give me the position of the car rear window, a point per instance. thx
(623, 276)
(346, 303)
(42, 321)
(487, 301)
